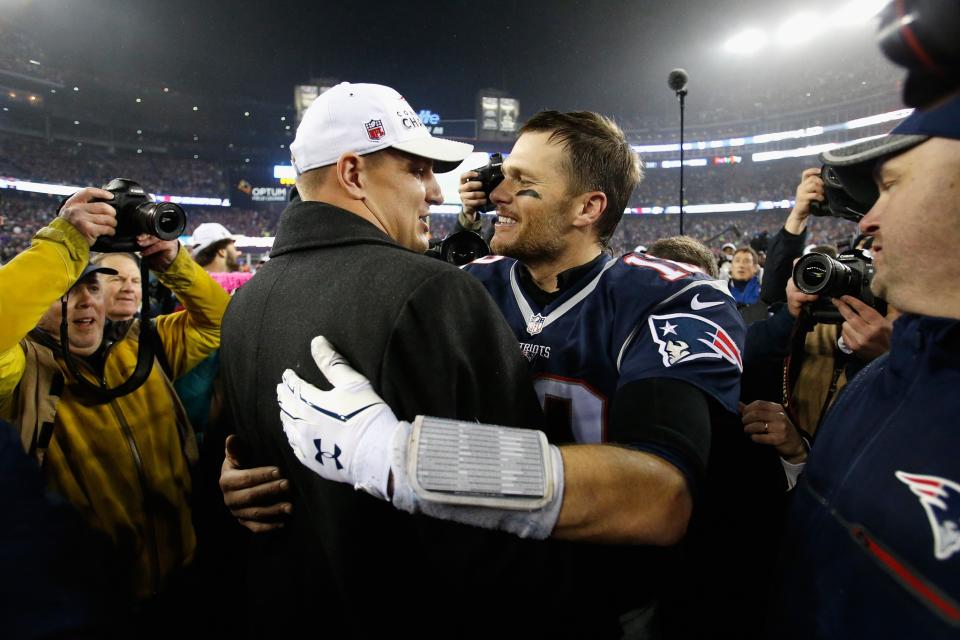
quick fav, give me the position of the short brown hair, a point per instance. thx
(598, 158)
(685, 249)
(752, 252)
(207, 254)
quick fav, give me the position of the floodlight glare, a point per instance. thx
(856, 13)
(746, 42)
(799, 28)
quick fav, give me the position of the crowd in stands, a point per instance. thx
(17, 52)
(57, 162)
(745, 182)
(768, 99)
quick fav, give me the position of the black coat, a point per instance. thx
(432, 342)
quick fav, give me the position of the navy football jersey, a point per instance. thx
(626, 319)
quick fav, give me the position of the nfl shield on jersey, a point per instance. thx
(625, 320)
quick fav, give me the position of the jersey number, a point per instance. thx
(667, 269)
(573, 409)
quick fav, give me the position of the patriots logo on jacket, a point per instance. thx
(941, 500)
(682, 337)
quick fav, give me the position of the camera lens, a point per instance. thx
(818, 273)
(164, 220)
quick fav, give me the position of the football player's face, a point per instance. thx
(85, 317)
(400, 189)
(915, 225)
(535, 210)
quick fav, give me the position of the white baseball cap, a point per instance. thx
(364, 118)
(206, 234)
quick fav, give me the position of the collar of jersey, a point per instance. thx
(570, 297)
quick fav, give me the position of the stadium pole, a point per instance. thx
(681, 96)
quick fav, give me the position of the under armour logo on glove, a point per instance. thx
(350, 417)
(321, 454)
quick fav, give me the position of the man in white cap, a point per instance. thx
(346, 264)
(214, 248)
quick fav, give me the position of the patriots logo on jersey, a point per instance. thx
(941, 500)
(682, 337)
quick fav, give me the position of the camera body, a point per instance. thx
(849, 274)
(837, 201)
(136, 214)
(490, 176)
(460, 248)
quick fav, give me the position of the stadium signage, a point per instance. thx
(248, 193)
(431, 121)
(268, 194)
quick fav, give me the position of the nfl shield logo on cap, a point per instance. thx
(375, 130)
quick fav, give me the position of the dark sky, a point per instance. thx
(612, 56)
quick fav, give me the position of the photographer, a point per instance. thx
(124, 463)
(787, 245)
(873, 536)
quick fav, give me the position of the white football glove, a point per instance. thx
(346, 434)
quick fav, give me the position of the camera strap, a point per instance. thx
(145, 350)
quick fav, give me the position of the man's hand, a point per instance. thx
(809, 189)
(91, 219)
(254, 496)
(797, 299)
(345, 434)
(864, 331)
(471, 194)
(157, 254)
(767, 423)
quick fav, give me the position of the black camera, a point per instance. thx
(837, 201)
(849, 274)
(460, 248)
(136, 214)
(490, 177)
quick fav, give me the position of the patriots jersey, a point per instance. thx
(625, 320)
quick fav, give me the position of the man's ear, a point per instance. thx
(350, 170)
(592, 206)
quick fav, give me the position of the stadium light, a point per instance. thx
(856, 12)
(746, 42)
(812, 150)
(878, 119)
(799, 29)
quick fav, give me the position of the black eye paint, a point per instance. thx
(529, 192)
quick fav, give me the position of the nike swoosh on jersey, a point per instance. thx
(696, 305)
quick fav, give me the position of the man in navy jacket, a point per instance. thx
(873, 543)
